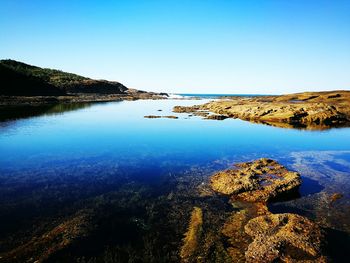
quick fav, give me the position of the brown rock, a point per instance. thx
(309, 110)
(284, 238)
(152, 116)
(61, 237)
(201, 113)
(216, 117)
(192, 236)
(334, 197)
(186, 109)
(170, 117)
(260, 180)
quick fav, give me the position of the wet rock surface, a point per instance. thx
(253, 233)
(260, 180)
(284, 237)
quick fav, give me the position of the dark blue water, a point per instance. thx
(59, 157)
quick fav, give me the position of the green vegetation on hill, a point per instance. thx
(20, 79)
(54, 77)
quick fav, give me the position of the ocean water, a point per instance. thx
(55, 161)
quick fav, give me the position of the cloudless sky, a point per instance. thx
(194, 46)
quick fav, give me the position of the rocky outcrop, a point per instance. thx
(309, 110)
(257, 181)
(284, 237)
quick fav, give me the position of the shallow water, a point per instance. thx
(57, 161)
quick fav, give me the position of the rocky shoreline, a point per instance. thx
(254, 234)
(76, 98)
(308, 110)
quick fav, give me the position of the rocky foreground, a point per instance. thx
(254, 234)
(308, 110)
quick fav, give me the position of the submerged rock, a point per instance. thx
(192, 236)
(334, 197)
(260, 180)
(63, 236)
(233, 229)
(284, 238)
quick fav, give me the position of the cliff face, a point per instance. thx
(21, 79)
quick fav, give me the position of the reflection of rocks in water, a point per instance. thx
(19, 112)
(261, 180)
(284, 237)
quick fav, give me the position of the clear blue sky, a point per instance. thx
(201, 46)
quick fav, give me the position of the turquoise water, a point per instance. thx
(50, 162)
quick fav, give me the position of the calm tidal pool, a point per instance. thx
(143, 176)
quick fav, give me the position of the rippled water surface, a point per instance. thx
(57, 160)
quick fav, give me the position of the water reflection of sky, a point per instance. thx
(118, 129)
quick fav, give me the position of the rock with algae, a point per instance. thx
(257, 181)
(42, 248)
(284, 238)
(192, 236)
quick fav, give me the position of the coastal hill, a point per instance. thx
(21, 79)
(23, 84)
